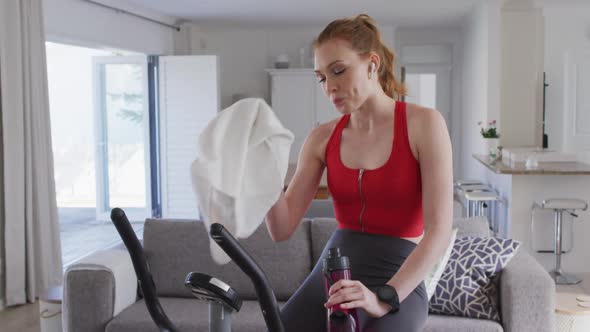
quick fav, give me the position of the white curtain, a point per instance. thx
(1, 206)
(31, 230)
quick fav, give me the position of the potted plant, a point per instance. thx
(491, 138)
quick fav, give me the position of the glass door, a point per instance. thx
(429, 85)
(121, 108)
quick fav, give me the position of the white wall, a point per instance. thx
(567, 30)
(85, 24)
(480, 81)
(245, 52)
(2, 261)
(522, 75)
(446, 36)
(494, 59)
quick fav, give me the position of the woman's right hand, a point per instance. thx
(351, 294)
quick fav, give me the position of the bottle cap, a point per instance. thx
(335, 261)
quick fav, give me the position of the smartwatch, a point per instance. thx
(388, 294)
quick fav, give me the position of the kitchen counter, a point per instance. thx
(544, 168)
(520, 188)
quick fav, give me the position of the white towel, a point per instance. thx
(240, 169)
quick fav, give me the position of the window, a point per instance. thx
(98, 124)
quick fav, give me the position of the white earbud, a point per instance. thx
(372, 70)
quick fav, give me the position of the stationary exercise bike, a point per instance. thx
(224, 300)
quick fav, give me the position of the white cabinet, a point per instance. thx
(300, 104)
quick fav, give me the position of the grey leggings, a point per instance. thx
(374, 260)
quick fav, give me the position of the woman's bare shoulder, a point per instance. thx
(323, 131)
(327, 127)
(320, 136)
(417, 116)
(421, 121)
(417, 112)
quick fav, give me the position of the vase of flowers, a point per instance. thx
(491, 138)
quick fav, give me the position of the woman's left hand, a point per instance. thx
(353, 294)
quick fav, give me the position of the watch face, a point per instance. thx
(386, 293)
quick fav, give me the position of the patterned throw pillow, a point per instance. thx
(437, 270)
(466, 288)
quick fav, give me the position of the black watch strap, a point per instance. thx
(388, 294)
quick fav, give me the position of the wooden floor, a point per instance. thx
(567, 302)
(23, 318)
(582, 288)
(78, 238)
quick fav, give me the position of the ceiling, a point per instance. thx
(302, 12)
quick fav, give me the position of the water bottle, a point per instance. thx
(337, 267)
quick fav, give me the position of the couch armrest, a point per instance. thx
(472, 226)
(97, 288)
(527, 295)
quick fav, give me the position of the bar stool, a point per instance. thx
(483, 201)
(475, 187)
(559, 205)
(472, 206)
(459, 183)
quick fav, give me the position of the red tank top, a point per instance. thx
(386, 200)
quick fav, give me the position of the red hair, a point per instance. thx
(364, 37)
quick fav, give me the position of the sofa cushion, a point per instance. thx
(466, 287)
(187, 315)
(440, 323)
(321, 230)
(193, 315)
(176, 247)
(320, 208)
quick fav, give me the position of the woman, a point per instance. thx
(389, 170)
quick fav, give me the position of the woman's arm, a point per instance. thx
(436, 166)
(284, 216)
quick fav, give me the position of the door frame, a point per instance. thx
(103, 209)
(443, 74)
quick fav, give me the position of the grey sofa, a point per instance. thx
(97, 297)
